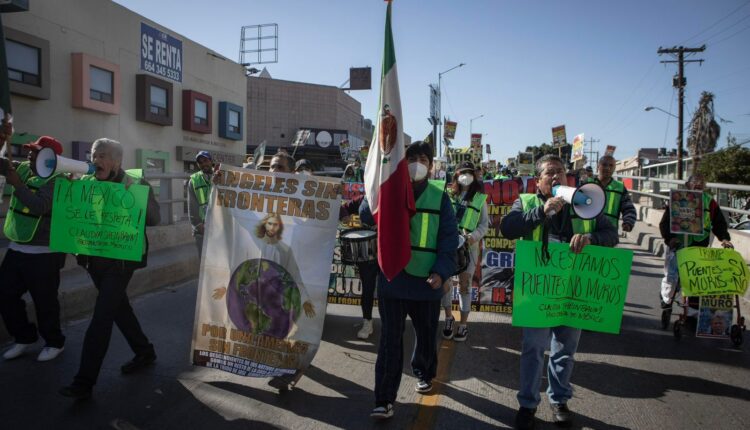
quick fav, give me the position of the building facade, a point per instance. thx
(84, 69)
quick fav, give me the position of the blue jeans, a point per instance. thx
(563, 345)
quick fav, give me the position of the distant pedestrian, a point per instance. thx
(199, 188)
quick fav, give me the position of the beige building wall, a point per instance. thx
(109, 31)
(278, 108)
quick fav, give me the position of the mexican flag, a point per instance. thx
(387, 183)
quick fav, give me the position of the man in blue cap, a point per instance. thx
(199, 188)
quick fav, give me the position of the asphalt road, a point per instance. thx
(640, 379)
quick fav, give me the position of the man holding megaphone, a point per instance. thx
(30, 265)
(561, 214)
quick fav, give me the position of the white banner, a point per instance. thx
(265, 270)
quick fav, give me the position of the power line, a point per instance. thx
(725, 29)
(715, 23)
(731, 36)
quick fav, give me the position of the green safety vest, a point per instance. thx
(423, 230)
(706, 222)
(532, 201)
(201, 187)
(613, 193)
(501, 177)
(20, 224)
(470, 218)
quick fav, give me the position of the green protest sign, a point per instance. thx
(712, 271)
(585, 290)
(102, 219)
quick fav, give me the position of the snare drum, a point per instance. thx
(462, 255)
(359, 246)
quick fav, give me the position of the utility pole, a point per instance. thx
(591, 151)
(679, 82)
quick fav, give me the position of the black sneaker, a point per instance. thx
(137, 363)
(448, 329)
(382, 411)
(78, 392)
(525, 419)
(423, 386)
(461, 333)
(561, 415)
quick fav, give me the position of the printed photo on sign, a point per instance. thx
(715, 316)
(686, 212)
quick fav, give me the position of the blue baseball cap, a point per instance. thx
(203, 154)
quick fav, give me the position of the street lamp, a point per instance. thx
(471, 123)
(650, 108)
(679, 137)
(440, 108)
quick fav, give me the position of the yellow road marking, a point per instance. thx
(428, 403)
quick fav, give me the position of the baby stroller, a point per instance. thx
(670, 287)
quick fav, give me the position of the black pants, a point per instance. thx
(39, 274)
(368, 273)
(112, 307)
(388, 366)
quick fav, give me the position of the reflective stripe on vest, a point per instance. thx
(423, 230)
(470, 219)
(20, 224)
(532, 201)
(706, 222)
(201, 188)
(613, 194)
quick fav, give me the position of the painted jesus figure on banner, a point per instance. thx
(267, 237)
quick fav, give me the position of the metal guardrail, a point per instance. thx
(166, 198)
(714, 185)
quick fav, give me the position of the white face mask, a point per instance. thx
(465, 179)
(417, 171)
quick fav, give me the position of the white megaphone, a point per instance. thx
(588, 200)
(48, 163)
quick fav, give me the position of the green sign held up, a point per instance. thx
(98, 218)
(585, 290)
(712, 271)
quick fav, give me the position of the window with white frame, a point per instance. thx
(234, 121)
(101, 84)
(23, 63)
(201, 112)
(158, 104)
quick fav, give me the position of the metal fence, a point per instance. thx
(172, 208)
(657, 190)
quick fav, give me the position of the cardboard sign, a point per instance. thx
(450, 129)
(712, 271)
(585, 290)
(98, 218)
(686, 212)
(558, 136)
(578, 147)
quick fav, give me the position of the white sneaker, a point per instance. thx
(16, 350)
(366, 329)
(49, 353)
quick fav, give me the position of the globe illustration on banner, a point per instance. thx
(263, 298)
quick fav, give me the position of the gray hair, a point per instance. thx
(113, 147)
(546, 159)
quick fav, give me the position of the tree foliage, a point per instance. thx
(704, 130)
(730, 165)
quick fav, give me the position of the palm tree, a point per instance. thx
(704, 130)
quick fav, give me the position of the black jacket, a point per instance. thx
(517, 224)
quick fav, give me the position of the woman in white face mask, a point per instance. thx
(470, 205)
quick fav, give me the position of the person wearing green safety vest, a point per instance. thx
(532, 217)
(199, 188)
(29, 264)
(617, 196)
(713, 222)
(417, 290)
(111, 277)
(470, 205)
